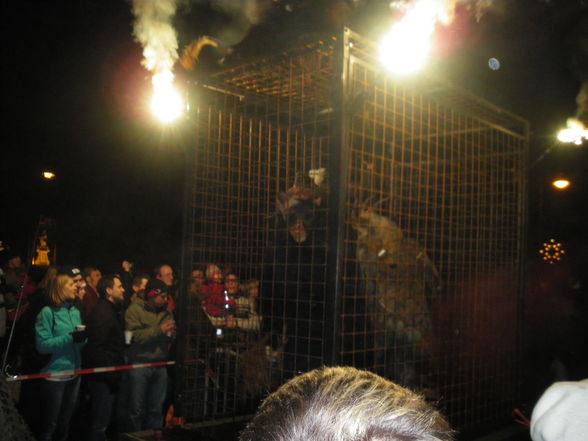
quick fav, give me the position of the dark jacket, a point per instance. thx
(106, 339)
(90, 301)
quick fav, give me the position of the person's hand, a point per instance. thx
(168, 327)
(231, 322)
(79, 336)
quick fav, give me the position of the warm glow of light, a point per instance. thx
(575, 133)
(166, 103)
(552, 251)
(48, 175)
(406, 47)
(561, 183)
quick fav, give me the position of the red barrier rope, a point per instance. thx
(521, 418)
(97, 370)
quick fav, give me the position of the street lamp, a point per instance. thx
(48, 175)
(561, 183)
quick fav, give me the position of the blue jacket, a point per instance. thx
(53, 328)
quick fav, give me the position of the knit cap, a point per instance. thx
(561, 414)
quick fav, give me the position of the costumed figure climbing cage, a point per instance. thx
(383, 219)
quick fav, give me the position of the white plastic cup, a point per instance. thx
(128, 337)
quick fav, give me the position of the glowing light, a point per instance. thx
(561, 183)
(552, 251)
(406, 47)
(575, 133)
(48, 175)
(166, 103)
(494, 64)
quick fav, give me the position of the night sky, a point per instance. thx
(76, 104)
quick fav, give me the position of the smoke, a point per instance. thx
(582, 102)
(480, 7)
(153, 28)
(477, 7)
(242, 16)
(579, 65)
(405, 48)
(577, 48)
(252, 11)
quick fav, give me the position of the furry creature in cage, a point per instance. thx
(399, 280)
(297, 205)
(254, 369)
(294, 272)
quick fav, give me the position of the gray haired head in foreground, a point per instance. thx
(345, 404)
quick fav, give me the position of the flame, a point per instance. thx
(166, 103)
(406, 47)
(575, 133)
(153, 28)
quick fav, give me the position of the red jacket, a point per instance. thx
(216, 300)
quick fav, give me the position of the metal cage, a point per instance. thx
(384, 220)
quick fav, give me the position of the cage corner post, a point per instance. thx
(186, 260)
(338, 175)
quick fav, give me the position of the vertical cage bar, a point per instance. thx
(338, 178)
(185, 264)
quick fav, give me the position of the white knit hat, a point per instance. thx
(561, 414)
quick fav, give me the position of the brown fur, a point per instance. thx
(254, 369)
(398, 276)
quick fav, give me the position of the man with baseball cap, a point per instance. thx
(76, 275)
(153, 328)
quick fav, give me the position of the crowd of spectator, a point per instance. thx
(74, 319)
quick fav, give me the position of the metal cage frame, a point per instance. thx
(444, 170)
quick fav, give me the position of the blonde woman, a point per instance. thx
(57, 333)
